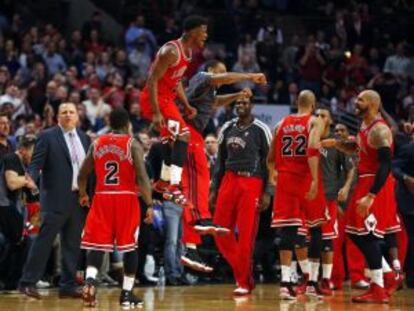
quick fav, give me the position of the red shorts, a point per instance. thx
(196, 178)
(113, 221)
(175, 124)
(381, 209)
(330, 228)
(290, 207)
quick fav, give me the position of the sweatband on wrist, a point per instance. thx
(313, 152)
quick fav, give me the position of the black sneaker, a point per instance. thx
(128, 299)
(206, 226)
(192, 260)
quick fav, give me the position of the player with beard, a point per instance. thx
(367, 215)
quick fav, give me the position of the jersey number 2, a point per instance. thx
(111, 177)
(300, 148)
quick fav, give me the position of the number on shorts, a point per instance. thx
(300, 146)
(111, 177)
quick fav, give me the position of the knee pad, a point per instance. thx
(315, 246)
(327, 245)
(287, 238)
(391, 240)
(300, 241)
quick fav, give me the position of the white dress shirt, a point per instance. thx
(77, 154)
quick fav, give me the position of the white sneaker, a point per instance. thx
(42, 284)
(287, 293)
(240, 291)
(361, 284)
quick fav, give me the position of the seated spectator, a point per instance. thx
(398, 63)
(54, 61)
(136, 31)
(13, 96)
(6, 145)
(246, 64)
(96, 108)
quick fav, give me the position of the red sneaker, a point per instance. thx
(175, 194)
(89, 295)
(375, 294)
(160, 185)
(325, 287)
(393, 281)
(301, 288)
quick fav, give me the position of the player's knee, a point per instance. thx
(300, 241)
(327, 246)
(185, 137)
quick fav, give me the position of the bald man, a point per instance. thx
(295, 157)
(368, 214)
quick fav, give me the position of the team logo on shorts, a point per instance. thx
(371, 222)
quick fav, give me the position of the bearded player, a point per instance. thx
(158, 103)
(114, 217)
(368, 213)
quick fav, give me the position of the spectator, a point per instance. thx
(95, 23)
(170, 31)
(137, 31)
(6, 145)
(96, 108)
(246, 64)
(140, 62)
(54, 61)
(104, 66)
(138, 124)
(13, 96)
(211, 151)
(311, 66)
(398, 63)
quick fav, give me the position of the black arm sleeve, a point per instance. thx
(384, 169)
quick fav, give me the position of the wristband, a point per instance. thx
(313, 152)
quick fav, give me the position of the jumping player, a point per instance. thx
(158, 103)
(202, 95)
(367, 216)
(114, 217)
(295, 157)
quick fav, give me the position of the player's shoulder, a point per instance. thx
(226, 126)
(263, 127)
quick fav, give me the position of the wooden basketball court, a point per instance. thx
(209, 297)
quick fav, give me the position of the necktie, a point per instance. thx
(73, 150)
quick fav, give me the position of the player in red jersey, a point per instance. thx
(367, 215)
(114, 217)
(294, 156)
(158, 104)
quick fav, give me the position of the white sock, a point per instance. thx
(176, 173)
(128, 283)
(385, 266)
(294, 271)
(377, 277)
(91, 272)
(165, 172)
(285, 273)
(314, 271)
(191, 245)
(304, 266)
(327, 270)
(396, 265)
(367, 273)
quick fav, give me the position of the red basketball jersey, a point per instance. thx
(114, 168)
(168, 83)
(368, 157)
(291, 144)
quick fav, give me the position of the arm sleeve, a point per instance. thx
(384, 157)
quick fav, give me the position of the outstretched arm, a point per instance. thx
(234, 77)
(348, 147)
(227, 99)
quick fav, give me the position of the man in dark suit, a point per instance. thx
(58, 155)
(403, 169)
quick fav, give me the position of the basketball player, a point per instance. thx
(295, 157)
(367, 217)
(114, 217)
(202, 95)
(241, 187)
(158, 103)
(333, 165)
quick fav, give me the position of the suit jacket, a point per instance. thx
(51, 161)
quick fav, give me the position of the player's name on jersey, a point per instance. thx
(101, 151)
(293, 128)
